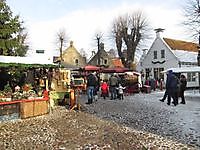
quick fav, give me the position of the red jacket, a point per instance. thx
(104, 87)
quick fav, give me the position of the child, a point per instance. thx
(104, 89)
(121, 92)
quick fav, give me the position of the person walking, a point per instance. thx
(166, 90)
(104, 89)
(165, 96)
(113, 82)
(172, 87)
(183, 84)
(91, 84)
(121, 91)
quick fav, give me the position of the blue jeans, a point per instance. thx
(90, 93)
(113, 92)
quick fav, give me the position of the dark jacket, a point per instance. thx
(113, 81)
(91, 80)
(172, 81)
(183, 84)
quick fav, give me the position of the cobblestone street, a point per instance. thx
(145, 112)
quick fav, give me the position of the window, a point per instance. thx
(76, 61)
(191, 77)
(148, 71)
(162, 53)
(155, 55)
(155, 73)
(161, 75)
(105, 61)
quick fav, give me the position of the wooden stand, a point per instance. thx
(74, 97)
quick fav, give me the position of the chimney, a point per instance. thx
(101, 46)
(158, 30)
(71, 43)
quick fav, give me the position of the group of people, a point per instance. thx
(111, 86)
(175, 88)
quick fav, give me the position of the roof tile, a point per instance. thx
(181, 45)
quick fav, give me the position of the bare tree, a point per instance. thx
(192, 15)
(129, 30)
(61, 40)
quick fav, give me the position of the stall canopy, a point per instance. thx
(35, 61)
(115, 70)
(91, 68)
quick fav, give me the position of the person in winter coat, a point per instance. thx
(104, 89)
(113, 82)
(121, 91)
(91, 84)
(183, 84)
(172, 88)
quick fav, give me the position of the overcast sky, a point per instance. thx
(82, 19)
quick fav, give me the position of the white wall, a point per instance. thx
(170, 59)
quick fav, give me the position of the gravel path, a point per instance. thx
(146, 113)
(139, 122)
(70, 130)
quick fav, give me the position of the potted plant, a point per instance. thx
(7, 91)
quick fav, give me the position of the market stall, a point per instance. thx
(24, 81)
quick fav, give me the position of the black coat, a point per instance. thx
(91, 80)
(183, 84)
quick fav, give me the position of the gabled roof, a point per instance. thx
(103, 54)
(181, 45)
(71, 48)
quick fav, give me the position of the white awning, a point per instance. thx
(42, 60)
(184, 69)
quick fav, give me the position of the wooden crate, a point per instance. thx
(33, 108)
(40, 107)
(27, 109)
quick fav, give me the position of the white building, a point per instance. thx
(166, 53)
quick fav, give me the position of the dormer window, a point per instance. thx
(155, 55)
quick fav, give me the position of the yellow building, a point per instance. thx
(72, 58)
